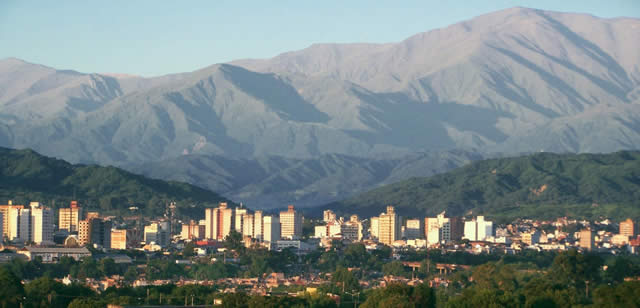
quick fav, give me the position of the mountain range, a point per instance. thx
(514, 81)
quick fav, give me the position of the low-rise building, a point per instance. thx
(53, 254)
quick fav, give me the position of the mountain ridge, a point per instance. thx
(513, 81)
(541, 185)
(28, 176)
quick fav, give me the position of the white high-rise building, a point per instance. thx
(450, 228)
(1, 227)
(257, 225)
(478, 229)
(42, 225)
(374, 230)
(413, 229)
(239, 219)
(271, 231)
(485, 229)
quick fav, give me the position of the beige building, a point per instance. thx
(125, 239)
(291, 223)
(69, 218)
(389, 226)
(587, 239)
(94, 231)
(247, 225)
(218, 222)
(193, 230)
(328, 215)
(7, 220)
(531, 238)
(626, 228)
(619, 240)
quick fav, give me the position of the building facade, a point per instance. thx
(218, 222)
(291, 223)
(271, 231)
(69, 218)
(627, 228)
(389, 227)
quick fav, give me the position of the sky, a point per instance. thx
(152, 38)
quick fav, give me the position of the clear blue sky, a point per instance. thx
(159, 37)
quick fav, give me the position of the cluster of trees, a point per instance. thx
(573, 279)
(87, 267)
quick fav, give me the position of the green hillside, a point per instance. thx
(28, 176)
(536, 186)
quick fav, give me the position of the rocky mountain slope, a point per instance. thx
(274, 181)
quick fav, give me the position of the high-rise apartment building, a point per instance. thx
(328, 216)
(218, 222)
(69, 218)
(271, 231)
(125, 239)
(352, 229)
(158, 232)
(441, 228)
(478, 229)
(626, 228)
(413, 229)
(291, 223)
(21, 225)
(389, 227)
(374, 229)
(587, 239)
(247, 225)
(9, 220)
(240, 214)
(257, 225)
(41, 225)
(193, 230)
(94, 230)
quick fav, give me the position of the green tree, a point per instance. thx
(131, 274)
(108, 267)
(355, 255)
(189, 250)
(85, 303)
(395, 268)
(345, 280)
(234, 242)
(576, 269)
(11, 289)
